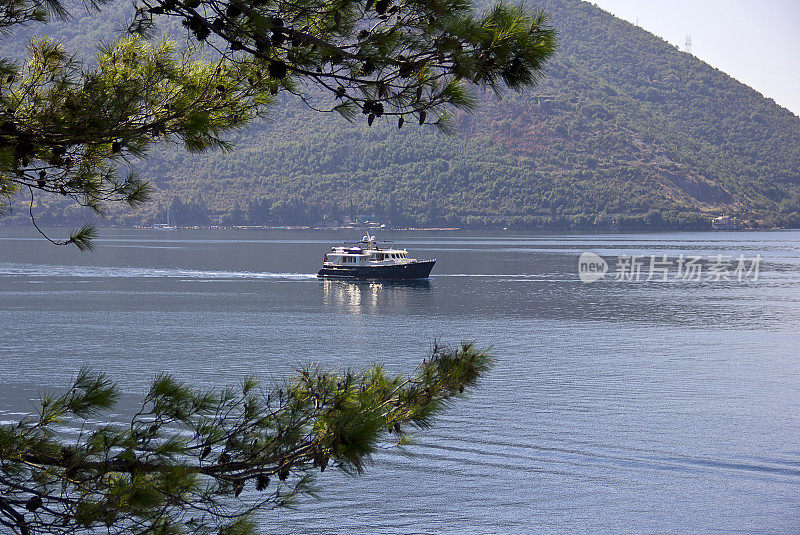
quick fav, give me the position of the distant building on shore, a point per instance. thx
(725, 222)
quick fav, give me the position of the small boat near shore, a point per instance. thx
(368, 260)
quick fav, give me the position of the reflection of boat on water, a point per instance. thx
(369, 296)
(368, 260)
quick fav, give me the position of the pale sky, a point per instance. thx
(755, 41)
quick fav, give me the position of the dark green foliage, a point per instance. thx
(66, 126)
(591, 148)
(66, 131)
(587, 150)
(201, 462)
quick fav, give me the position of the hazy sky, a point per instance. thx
(756, 42)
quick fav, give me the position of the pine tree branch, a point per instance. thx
(233, 440)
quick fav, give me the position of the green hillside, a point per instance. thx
(626, 132)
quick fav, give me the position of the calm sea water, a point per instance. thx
(614, 407)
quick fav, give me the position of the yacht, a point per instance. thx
(368, 260)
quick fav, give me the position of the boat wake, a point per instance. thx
(544, 277)
(101, 272)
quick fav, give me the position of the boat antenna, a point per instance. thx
(369, 239)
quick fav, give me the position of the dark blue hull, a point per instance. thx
(413, 270)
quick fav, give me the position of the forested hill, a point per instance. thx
(625, 131)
